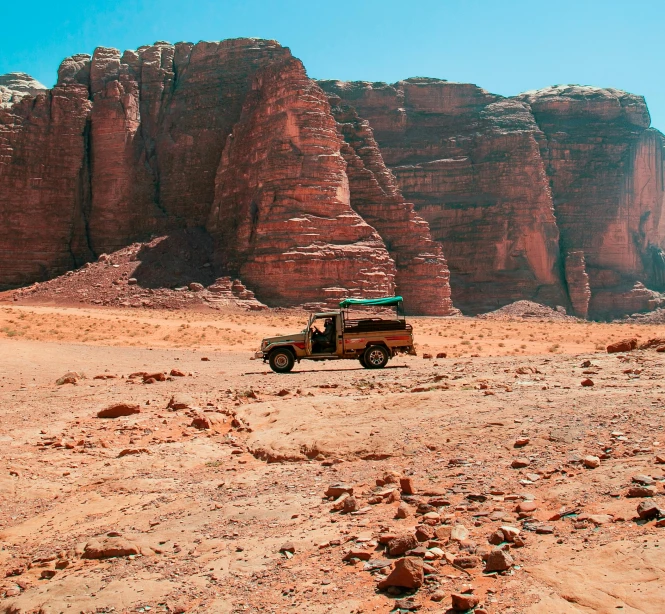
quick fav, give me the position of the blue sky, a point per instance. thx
(504, 46)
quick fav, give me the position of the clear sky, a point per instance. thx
(505, 46)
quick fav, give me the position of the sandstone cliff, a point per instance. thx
(511, 186)
(314, 192)
(282, 217)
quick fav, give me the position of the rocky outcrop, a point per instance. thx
(470, 162)
(422, 275)
(554, 196)
(16, 85)
(511, 186)
(606, 172)
(43, 184)
(282, 217)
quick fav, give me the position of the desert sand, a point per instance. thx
(218, 503)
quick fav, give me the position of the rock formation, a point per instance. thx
(16, 85)
(471, 164)
(282, 216)
(422, 275)
(311, 192)
(510, 186)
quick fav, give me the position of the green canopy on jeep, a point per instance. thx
(382, 302)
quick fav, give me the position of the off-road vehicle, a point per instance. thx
(334, 335)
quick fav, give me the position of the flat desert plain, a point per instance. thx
(491, 478)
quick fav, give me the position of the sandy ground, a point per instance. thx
(202, 513)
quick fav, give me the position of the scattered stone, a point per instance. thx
(647, 510)
(498, 560)
(176, 373)
(336, 490)
(205, 359)
(644, 480)
(442, 355)
(403, 511)
(521, 442)
(357, 553)
(641, 491)
(71, 377)
(459, 533)
(626, 345)
(406, 486)
(407, 604)
(463, 603)
(350, 505)
(109, 548)
(47, 574)
(466, 562)
(586, 382)
(526, 506)
(133, 451)
(544, 529)
(180, 401)
(509, 533)
(424, 533)
(403, 543)
(408, 573)
(520, 463)
(119, 409)
(438, 595)
(287, 547)
(591, 462)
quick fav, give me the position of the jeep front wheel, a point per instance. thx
(281, 361)
(376, 357)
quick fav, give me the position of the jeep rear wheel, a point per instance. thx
(376, 357)
(281, 361)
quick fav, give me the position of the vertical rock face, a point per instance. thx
(282, 217)
(548, 196)
(42, 184)
(422, 275)
(606, 171)
(160, 118)
(578, 283)
(470, 161)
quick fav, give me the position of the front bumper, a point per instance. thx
(259, 355)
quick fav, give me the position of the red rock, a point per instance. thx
(627, 345)
(464, 602)
(586, 382)
(109, 547)
(577, 282)
(422, 128)
(180, 401)
(403, 543)
(176, 373)
(520, 463)
(281, 215)
(408, 573)
(119, 409)
(406, 486)
(498, 560)
(526, 506)
(466, 562)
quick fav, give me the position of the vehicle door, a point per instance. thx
(339, 335)
(308, 335)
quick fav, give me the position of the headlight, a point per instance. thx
(264, 344)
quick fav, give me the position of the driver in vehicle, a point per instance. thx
(323, 341)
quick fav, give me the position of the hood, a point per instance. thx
(294, 338)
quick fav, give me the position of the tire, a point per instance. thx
(281, 360)
(361, 359)
(376, 357)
